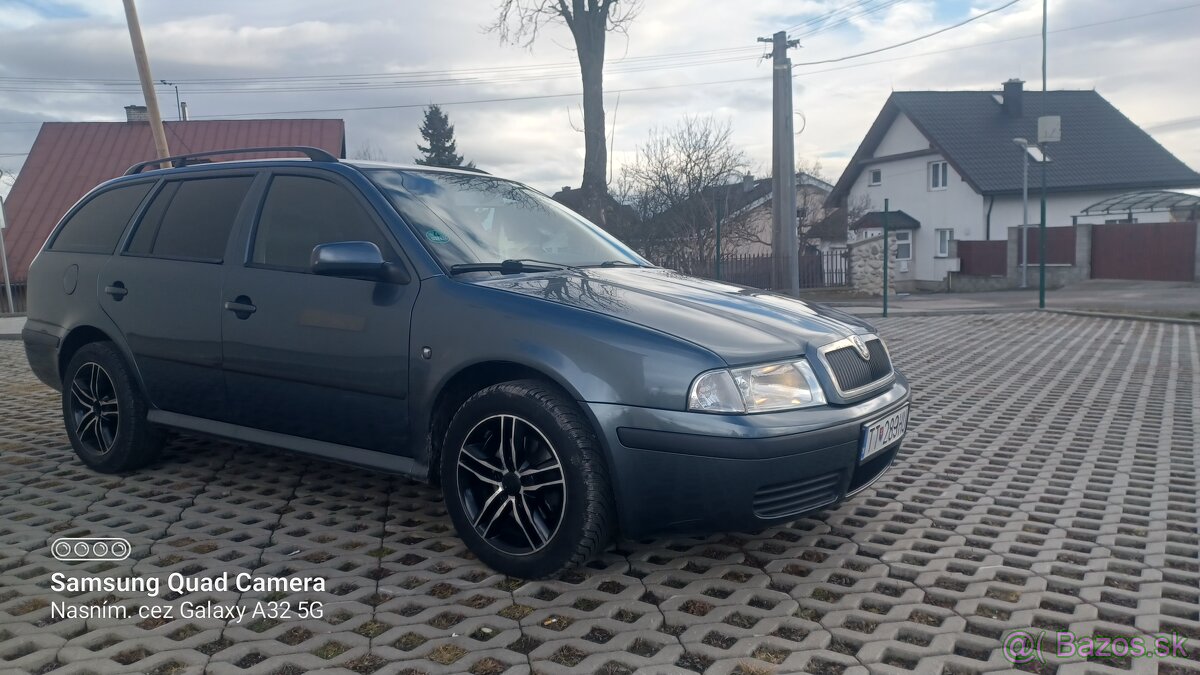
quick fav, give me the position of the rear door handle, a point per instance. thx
(117, 290)
(241, 306)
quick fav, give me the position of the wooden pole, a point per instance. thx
(143, 66)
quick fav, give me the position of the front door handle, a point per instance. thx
(241, 306)
(117, 290)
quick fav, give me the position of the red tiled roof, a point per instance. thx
(70, 158)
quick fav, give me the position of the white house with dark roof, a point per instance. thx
(948, 160)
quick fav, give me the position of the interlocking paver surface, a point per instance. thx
(1048, 483)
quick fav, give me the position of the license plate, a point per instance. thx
(881, 433)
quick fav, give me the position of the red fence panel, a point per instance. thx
(983, 258)
(1144, 251)
(1060, 245)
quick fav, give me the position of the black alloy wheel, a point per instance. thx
(510, 480)
(525, 481)
(104, 411)
(95, 411)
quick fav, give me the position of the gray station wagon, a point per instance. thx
(458, 328)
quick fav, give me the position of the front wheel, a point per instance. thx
(524, 480)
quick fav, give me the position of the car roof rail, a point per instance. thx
(177, 161)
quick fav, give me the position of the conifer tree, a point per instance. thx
(440, 148)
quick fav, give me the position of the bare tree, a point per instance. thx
(683, 183)
(589, 21)
(369, 151)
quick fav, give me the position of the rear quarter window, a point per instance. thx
(97, 225)
(191, 219)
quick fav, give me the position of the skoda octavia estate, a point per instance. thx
(459, 328)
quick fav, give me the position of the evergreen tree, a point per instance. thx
(441, 148)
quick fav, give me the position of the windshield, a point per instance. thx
(465, 219)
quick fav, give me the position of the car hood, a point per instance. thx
(739, 324)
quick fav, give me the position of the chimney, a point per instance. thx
(183, 114)
(136, 113)
(1013, 90)
(748, 182)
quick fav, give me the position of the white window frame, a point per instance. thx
(903, 237)
(874, 177)
(939, 175)
(943, 245)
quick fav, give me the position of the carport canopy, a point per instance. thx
(1146, 201)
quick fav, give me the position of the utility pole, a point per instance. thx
(785, 239)
(143, 66)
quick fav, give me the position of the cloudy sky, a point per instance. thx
(374, 63)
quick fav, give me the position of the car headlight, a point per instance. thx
(774, 386)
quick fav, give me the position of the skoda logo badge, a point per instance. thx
(861, 347)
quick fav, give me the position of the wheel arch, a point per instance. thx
(77, 338)
(465, 383)
(85, 334)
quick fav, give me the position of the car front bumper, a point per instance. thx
(695, 472)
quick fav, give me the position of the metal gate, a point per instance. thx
(824, 269)
(1144, 251)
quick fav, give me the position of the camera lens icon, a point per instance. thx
(90, 549)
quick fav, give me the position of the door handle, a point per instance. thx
(117, 290)
(241, 306)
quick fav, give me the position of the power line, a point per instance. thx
(633, 61)
(482, 100)
(699, 84)
(848, 18)
(939, 31)
(976, 45)
(367, 84)
(827, 16)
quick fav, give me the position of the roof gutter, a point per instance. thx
(987, 223)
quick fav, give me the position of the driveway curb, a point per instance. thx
(1127, 317)
(942, 312)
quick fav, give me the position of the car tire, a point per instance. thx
(525, 481)
(105, 413)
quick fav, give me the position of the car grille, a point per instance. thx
(851, 372)
(784, 499)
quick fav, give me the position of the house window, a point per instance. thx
(904, 245)
(939, 174)
(875, 177)
(943, 242)
(1120, 221)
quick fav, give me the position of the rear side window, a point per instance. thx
(191, 219)
(300, 213)
(98, 224)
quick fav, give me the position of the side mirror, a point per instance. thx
(356, 260)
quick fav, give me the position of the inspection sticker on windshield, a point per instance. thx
(436, 236)
(884, 432)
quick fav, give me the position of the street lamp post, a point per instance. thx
(1023, 254)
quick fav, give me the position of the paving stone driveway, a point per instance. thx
(1048, 483)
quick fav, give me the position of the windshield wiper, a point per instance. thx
(510, 266)
(618, 263)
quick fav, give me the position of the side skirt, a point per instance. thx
(343, 454)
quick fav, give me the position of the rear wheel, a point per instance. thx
(524, 480)
(104, 413)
